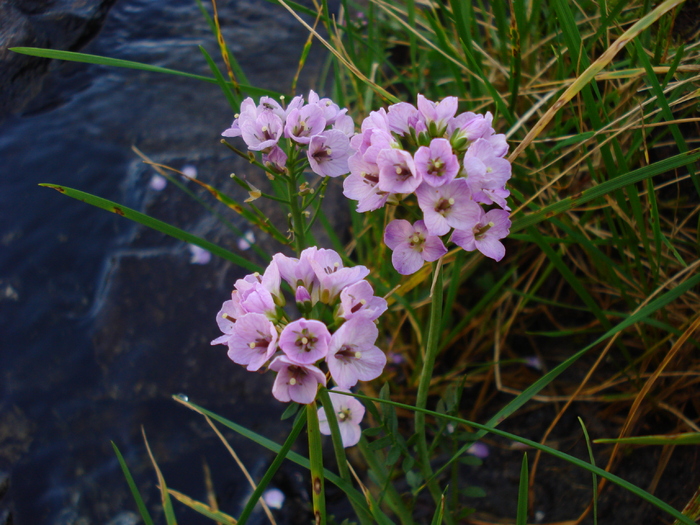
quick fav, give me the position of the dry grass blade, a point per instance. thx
(589, 74)
(165, 499)
(240, 464)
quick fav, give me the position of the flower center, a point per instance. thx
(307, 341)
(402, 172)
(416, 241)
(436, 167)
(444, 205)
(347, 353)
(331, 269)
(480, 231)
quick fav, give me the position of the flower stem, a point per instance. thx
(316, 460)
(265, 481)
(431, 350)
(298, 223)
(339, 449)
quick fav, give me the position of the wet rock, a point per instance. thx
(66, 25)
(125, 518)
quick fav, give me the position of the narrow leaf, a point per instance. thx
(155, 224)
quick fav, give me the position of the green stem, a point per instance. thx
(264, 482)
(339, 450)
(298, 223)
(392, 496)
(316, 461)
(431, 350)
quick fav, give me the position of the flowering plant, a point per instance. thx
(427, 176)
(259, 332)
(451, 164)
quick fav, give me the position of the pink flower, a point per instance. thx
(436, 163)
(275, 158)
(328, 153)
(447, 206)
(305, 341)
(199, 255)
(412, 244)
(352, 355)
(470, 126)
(332, 276)
(298, 272)
(361, 184)
(226, 318)
(403, 117)
(348, 412)
(397, 171)
(485, 235)
(304, 123)
(295, 382)
(358, 300)
(440, 113)
(487, 174)
(330, 109)
(253, 341)
(263, 132)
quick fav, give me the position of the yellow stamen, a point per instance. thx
(292, 381)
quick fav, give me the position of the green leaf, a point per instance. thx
(348, 489)
(204, 509)
(609, 186)
(521, 517)
(687, 438)
(132, 487)
(155, 224)
(129, 64)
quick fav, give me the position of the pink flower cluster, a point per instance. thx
(258, 332)
(320, 126)
(453, 163)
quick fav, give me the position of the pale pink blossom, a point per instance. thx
(305, 341)
(358, 300)
(486, 234)
(397, 171)
(253, 341)
(352, 355)
(437, 164)
(328, 153)
(348, 412)
(411, 245)
(447, 206)
(294, 381)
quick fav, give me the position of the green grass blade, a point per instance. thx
(521, 516)
(606, 187)
(570, 277)
(272, 469)
(202, 508)
(486, 429)
(233, 100)
(164, 495)
(155, 224)
(348, 489)
(687, 438)
(129, 64)
(538, 385)
(591, 457)
(143, 511)
(237, 71)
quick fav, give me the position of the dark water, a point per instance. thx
(102, 321)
